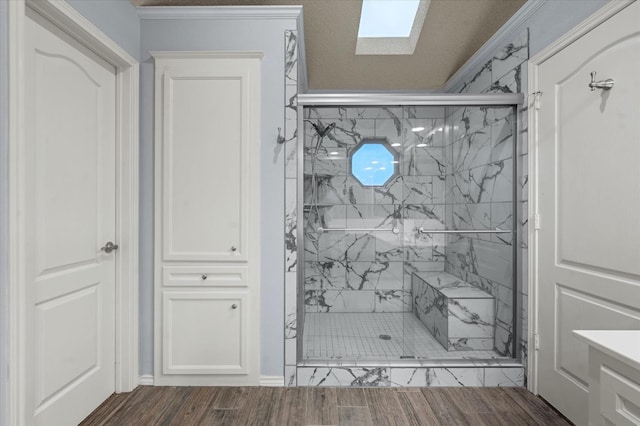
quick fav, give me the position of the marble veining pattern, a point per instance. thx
(411, 377)
(459, 315)
(479, 175)
(506, 72)
(353, 377)
(290, 207)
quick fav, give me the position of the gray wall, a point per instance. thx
(555, 18)
(266, 36)
(118, 20)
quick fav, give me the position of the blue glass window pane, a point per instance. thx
(373, 164)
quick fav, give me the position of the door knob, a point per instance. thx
(109, 247)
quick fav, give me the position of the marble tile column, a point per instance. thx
(291, 206)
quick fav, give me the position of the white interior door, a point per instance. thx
(589, 202)
(70, 215)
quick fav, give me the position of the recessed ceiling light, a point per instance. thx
(334, 153)
(396, 144)
(421, 145)
(374, 162)
(383, 168)
(417, 129)
(394, 162)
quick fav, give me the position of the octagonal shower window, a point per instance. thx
(373, 162)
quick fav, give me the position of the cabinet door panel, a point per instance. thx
(205, 198)
(204, 332)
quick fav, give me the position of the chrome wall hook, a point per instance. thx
(280, 138)
(602, 84)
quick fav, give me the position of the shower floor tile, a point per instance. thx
(372, 336)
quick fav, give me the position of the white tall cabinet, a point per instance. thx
(207, 259)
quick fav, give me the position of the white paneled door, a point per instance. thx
(589, 202)
(70, 216)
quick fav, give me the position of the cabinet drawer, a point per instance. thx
(619, 397)
(205, 276)
(204, 332)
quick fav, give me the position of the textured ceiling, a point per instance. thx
(453, 31)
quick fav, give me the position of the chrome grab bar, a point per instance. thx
(462, 231)
(395, 230)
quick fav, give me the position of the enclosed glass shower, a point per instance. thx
(408, 239)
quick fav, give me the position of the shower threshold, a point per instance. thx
(382, 339)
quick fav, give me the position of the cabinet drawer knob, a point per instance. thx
(234, 248)
(204, 277)
(234, 306)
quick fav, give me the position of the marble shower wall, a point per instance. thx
(479, 189)
(506, 72)
(479, 192)
(371, 271)
(290, 196)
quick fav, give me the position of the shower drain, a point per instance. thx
(385, 337)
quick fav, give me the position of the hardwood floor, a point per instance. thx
(149, 405)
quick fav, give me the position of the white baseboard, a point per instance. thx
(272, 381)
(146, 380)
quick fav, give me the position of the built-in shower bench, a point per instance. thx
(459, 315)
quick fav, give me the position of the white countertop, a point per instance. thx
(623, 345)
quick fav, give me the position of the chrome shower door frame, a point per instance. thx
(514, 100)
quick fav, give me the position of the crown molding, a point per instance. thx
(219, 12)
(303, 78)
(497, 41)
(205, 54)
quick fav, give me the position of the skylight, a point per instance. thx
(390, 27)
(387, 18)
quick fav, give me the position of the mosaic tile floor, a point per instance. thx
(374, 336)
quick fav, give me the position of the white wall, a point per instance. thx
(267, 36)
(4, 161)
(118, 20)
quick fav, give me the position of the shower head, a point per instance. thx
(322, 131)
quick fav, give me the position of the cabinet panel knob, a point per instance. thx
(234, 248)
(234, 306)
(204, 277)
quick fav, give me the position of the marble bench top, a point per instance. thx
(451, 286)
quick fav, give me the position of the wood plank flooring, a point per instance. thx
(230, 406)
